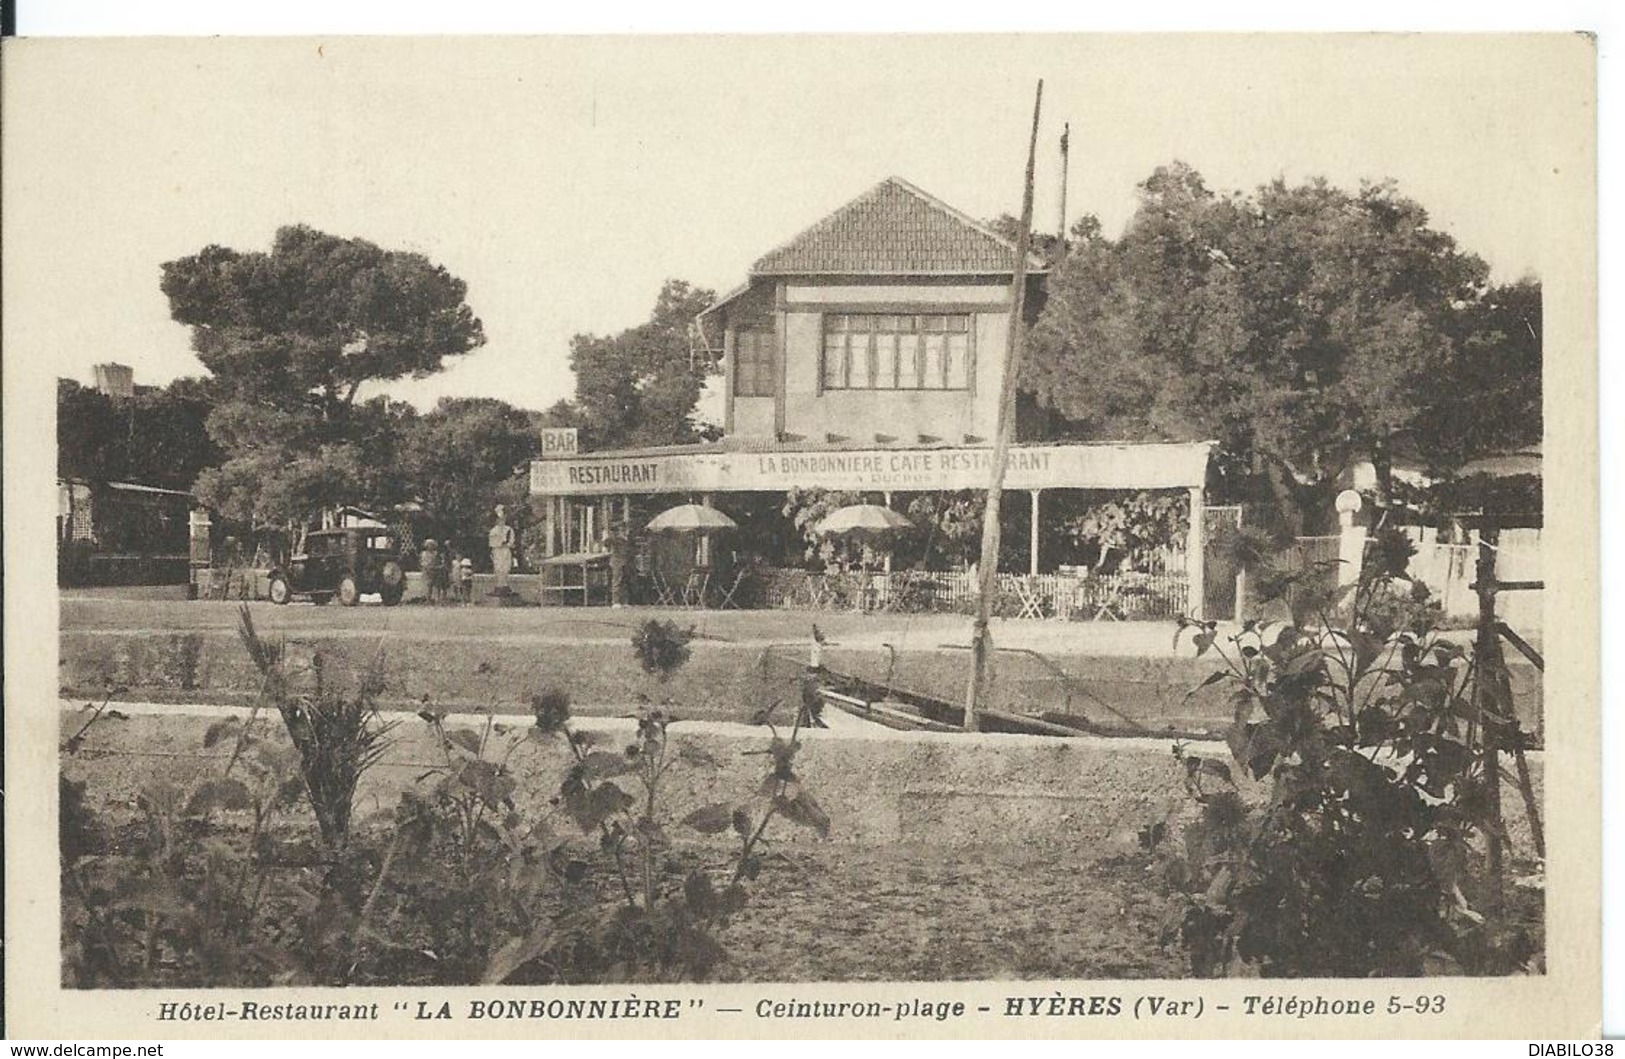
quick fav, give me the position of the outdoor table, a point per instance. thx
(564, 565)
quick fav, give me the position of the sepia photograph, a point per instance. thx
(756, 518)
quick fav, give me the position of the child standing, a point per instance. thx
(465, 580)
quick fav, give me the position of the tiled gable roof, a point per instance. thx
(892, 229)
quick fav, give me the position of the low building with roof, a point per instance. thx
(122, 533)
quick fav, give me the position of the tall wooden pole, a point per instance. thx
(981, 636)
(1493, 702)
(1060, 226)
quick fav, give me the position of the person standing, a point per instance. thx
(430, 564)
(620, 560)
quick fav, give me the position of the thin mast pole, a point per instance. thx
(1060, 226)
(981, 635)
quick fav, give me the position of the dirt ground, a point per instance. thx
(105, 610)
(907, 913)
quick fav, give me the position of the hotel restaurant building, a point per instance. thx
(862, 355)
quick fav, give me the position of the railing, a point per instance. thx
(1061, 597)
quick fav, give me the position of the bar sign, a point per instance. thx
(558, 442)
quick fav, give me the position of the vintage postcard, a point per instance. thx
(879, 536)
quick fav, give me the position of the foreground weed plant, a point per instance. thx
(205, 888)
(1370, 852)
(260, 873)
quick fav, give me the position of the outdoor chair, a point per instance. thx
(665, 592)
(1031, 599)
(726, 597)
(694, 589)
(818, 590)
(1111, 607)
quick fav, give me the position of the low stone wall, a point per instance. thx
(723, 681)
(1084, 794)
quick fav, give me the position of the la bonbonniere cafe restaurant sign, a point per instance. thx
(1154, 466)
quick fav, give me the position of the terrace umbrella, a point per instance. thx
(869, 524)
(702, 521)
(691, 518)
(863, 521)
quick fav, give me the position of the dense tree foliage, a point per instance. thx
(156, 437)
(1048, 245)
(640, 387)
(460, 461)
(1304, 327)
(950, 525)
(1129, 528)
(1493, 398)
(290, 337)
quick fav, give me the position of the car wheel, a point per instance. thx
(278, 590)
(321, 599)
(349, 592)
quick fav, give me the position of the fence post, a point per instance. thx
(1350, 539)
(1195, 559)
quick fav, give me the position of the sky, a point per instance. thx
(566, 178)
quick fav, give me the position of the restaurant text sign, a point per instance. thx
(1161, 466)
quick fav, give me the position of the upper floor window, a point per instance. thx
(876, 351)
(754, 366)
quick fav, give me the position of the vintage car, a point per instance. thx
(347, 563)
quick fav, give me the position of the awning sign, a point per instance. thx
(1157, 466)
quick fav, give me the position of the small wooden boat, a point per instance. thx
(912, 711)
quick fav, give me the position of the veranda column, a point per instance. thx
(702, 555)
(1195, 559)
(887, 558)
(1032, 558)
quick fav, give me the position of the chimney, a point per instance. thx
(115, 380)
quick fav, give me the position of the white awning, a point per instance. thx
(1118, 466)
